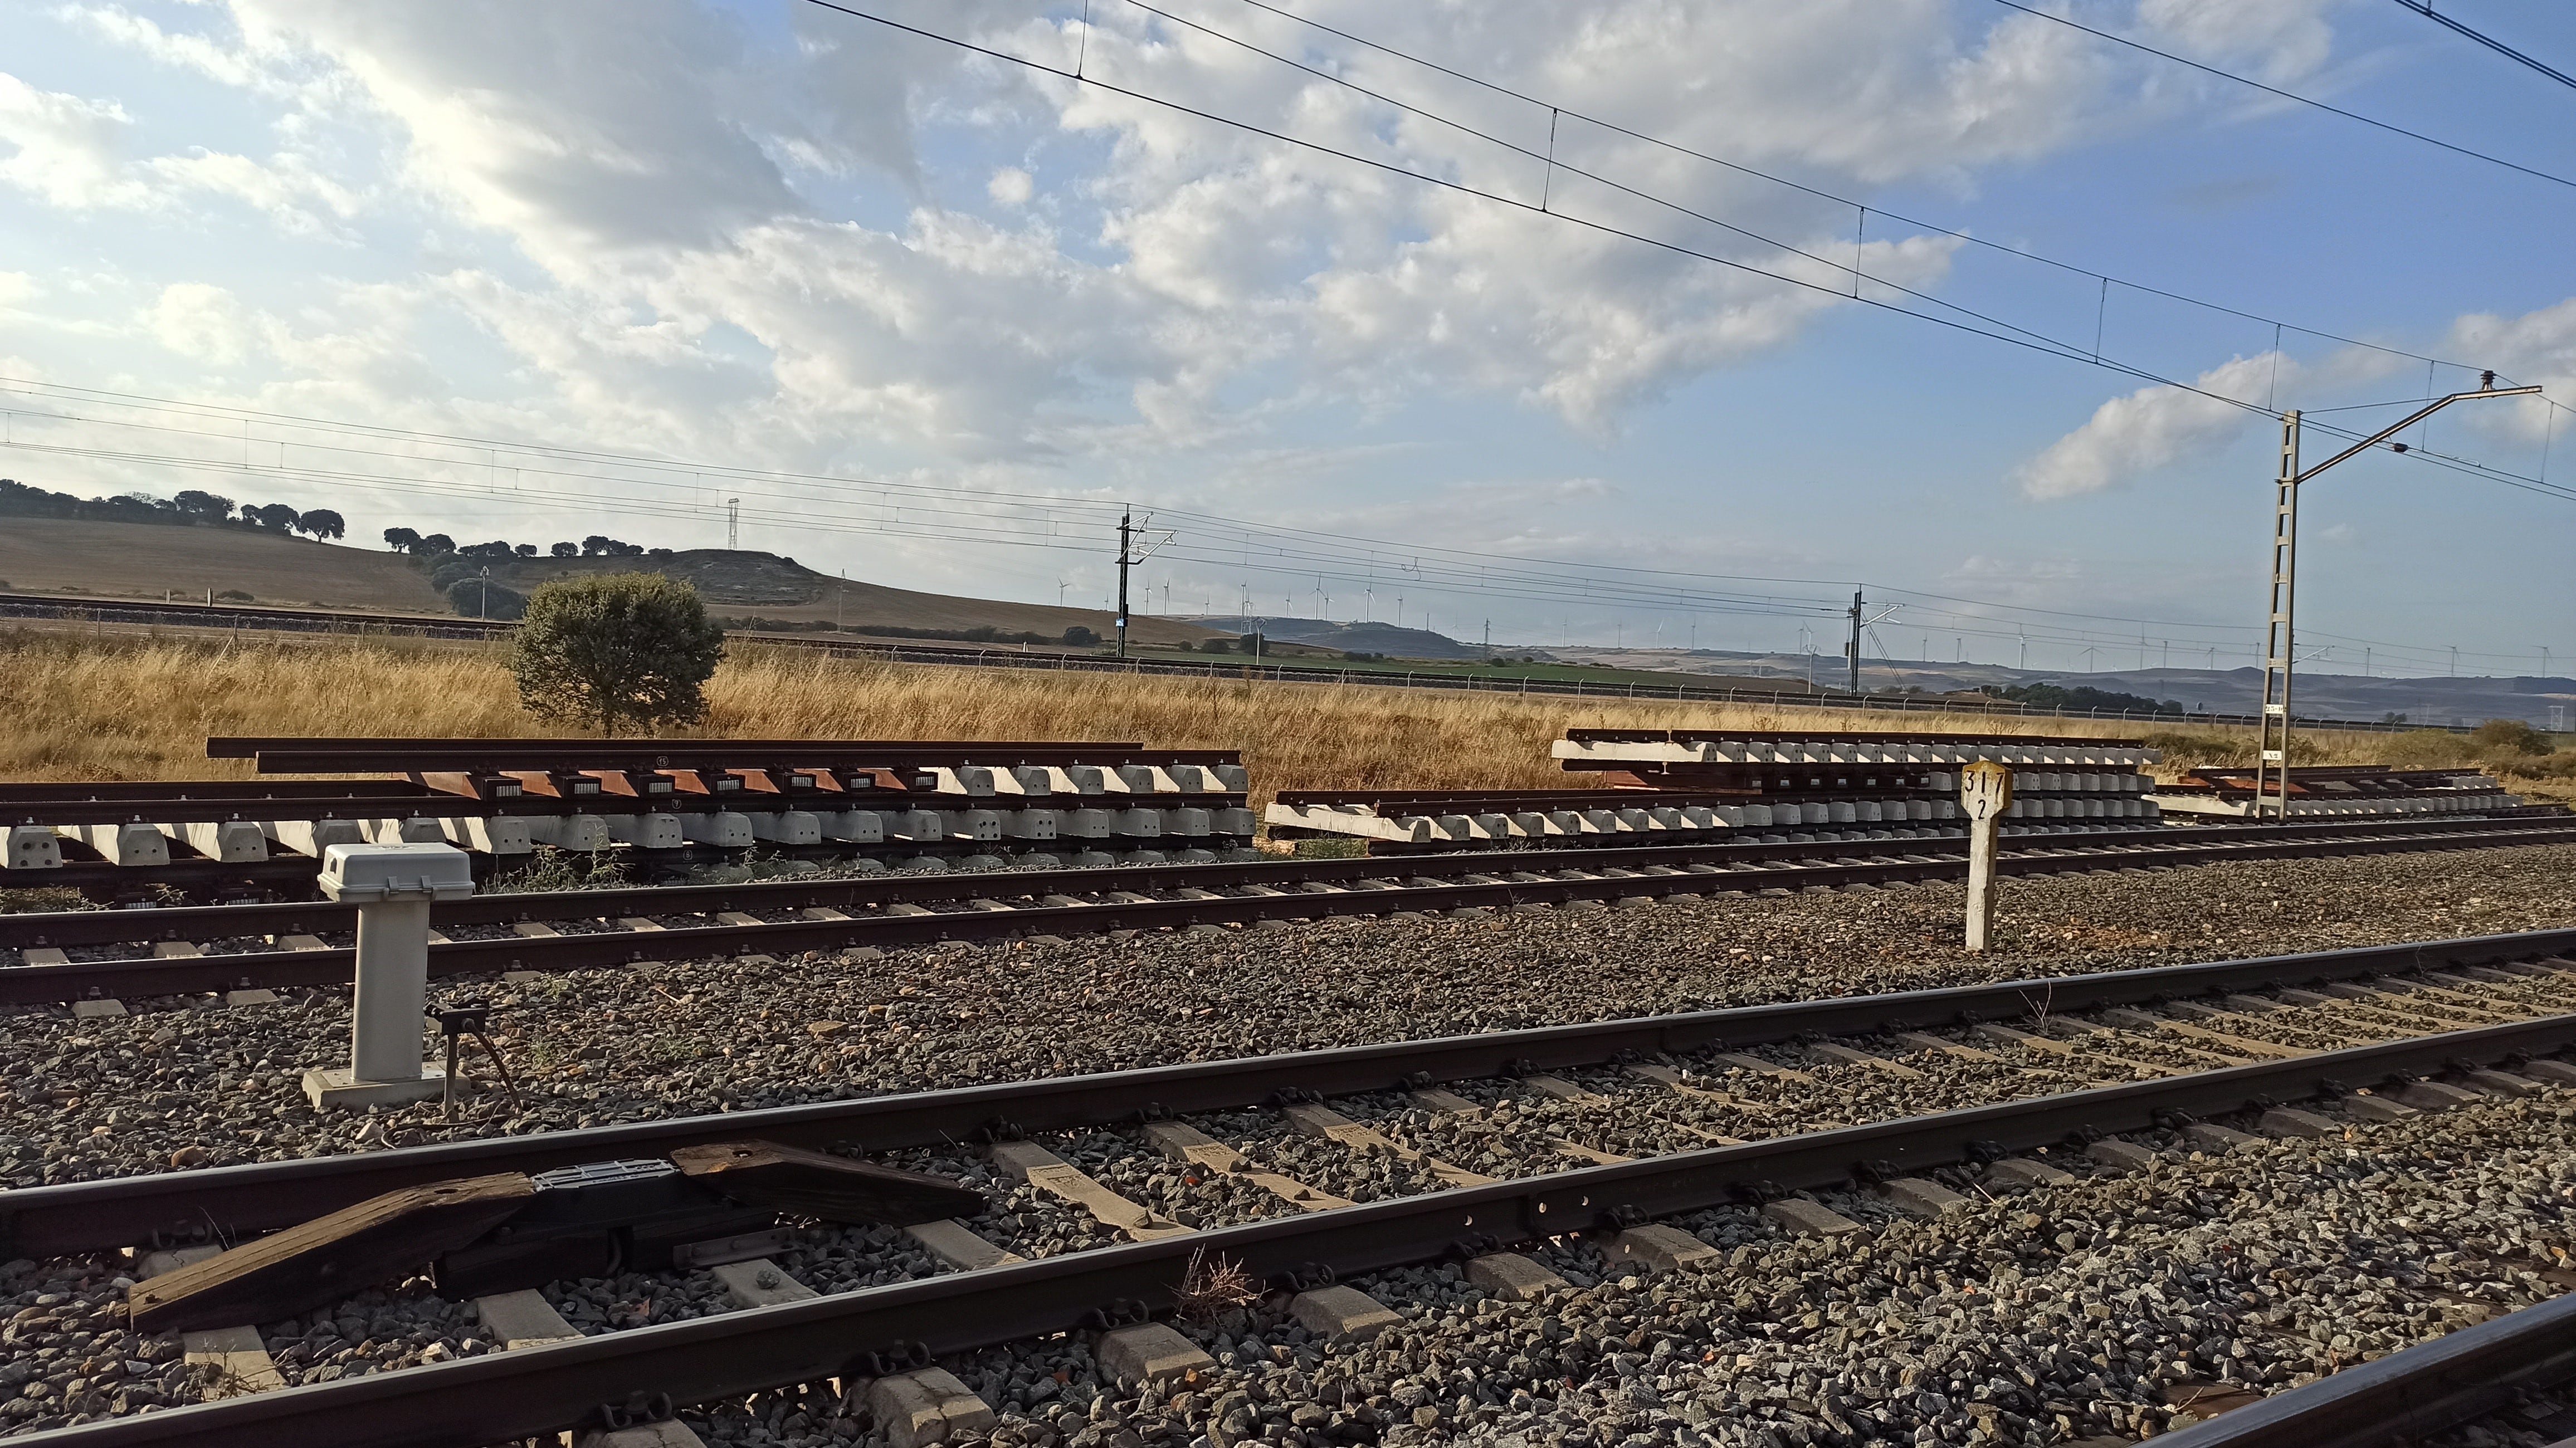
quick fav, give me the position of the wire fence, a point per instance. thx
(379, 625)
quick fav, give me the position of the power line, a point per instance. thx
(1970, 238)
(2286, 95)
(2425, 9)
(2027, 339)
(2030, 340)
(1515, 581)
(1280, 552)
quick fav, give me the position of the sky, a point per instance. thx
(1530, 318)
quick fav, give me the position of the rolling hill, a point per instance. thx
(144, 560)
(140, 560)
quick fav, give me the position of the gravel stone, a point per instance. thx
(602, 1046)
(2027, 1317)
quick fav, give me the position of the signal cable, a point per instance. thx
(2287, 95)
(2425, 9)
(1775, 178)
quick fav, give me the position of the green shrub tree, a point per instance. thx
(616, 649)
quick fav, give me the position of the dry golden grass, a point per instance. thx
(114, 706)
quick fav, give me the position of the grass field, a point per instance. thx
(136, 706)
(143, 560)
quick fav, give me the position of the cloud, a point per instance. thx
(1010, 186)
(201, 321)
(2154, 427)
(584, 129)
(70, 153)
(2538, 346)
(2157, 427)
(67, 149)
(2281, 41)
(799, 243)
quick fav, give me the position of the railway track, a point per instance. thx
(202, 949)
(1510, 1156)
(658, 806)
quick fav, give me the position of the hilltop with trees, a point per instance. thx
(189, 508)
(205, 546)
(762, 592)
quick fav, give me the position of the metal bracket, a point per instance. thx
(1304, 1277)
(894, 1358)
(638, 1409)
(1117, 1312)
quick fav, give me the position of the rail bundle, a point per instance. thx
(1678, 785)
(661, 799)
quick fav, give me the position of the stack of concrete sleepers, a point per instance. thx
(2337, 791)
(1810, 779)
(892, 800)
(1423, 817)
(1677, 787)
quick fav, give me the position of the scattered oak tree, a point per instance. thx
(203, 506)
(612, 649)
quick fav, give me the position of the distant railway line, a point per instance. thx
(327, 621)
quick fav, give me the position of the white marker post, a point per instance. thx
(1985, 792)
(392, 886)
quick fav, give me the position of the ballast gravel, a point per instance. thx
(2118, 1306)
(189, 1082)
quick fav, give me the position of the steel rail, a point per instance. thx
(98, 1215)
(251, 746)
(182, 809)
(676, 754)
(187, 809)
(330, 966)
(1848, 736)
(220, 922)
(258, 789)
(542, 1390)
(2410, 1396)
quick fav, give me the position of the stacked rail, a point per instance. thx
(2343, 791)
(1683, 785)
(659, 800)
